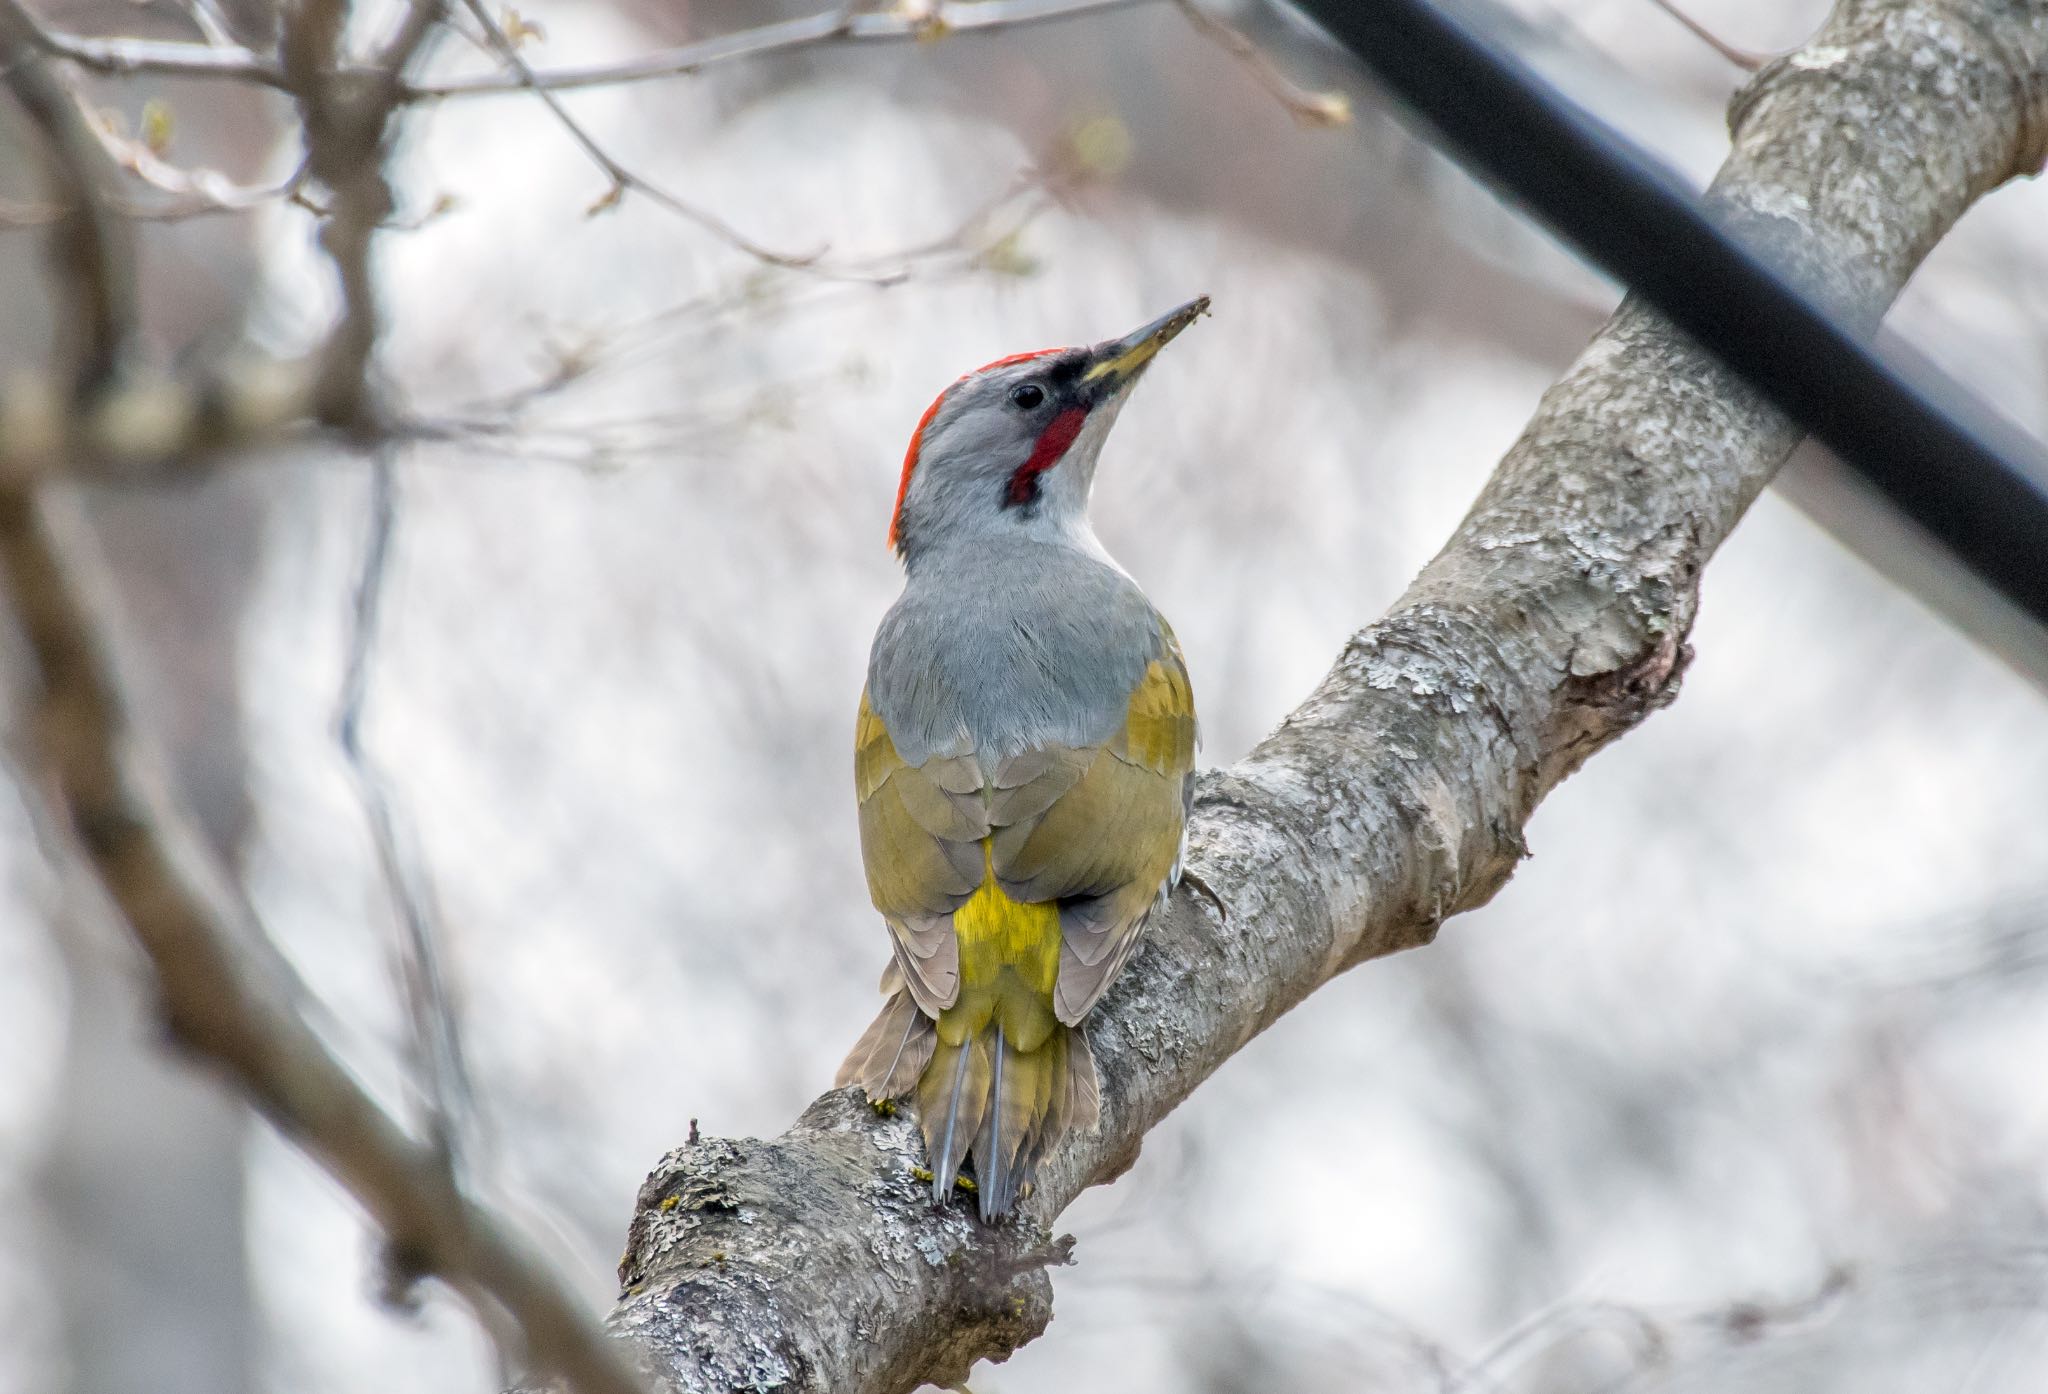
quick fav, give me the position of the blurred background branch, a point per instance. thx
(450, 1113)
(218, 1004)
(850, 23)
(216, 999)
(91, 247)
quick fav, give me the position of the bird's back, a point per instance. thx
(997, 649)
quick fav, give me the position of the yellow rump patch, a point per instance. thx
(1009, 961)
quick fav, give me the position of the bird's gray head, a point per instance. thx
(1011, 447)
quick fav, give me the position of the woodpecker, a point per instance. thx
(1023, 759)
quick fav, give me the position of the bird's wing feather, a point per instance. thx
(1100, 830)
(921, 828)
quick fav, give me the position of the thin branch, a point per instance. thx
(984, 240)
(623, 179)
(885, 269)
(209, 21)
(194, 193)
(221, 993)
(1649, 1334)
(436, 1039)
(126, 57)
(100, 411)
(1746, 59)
(316, 66)
(845, 24)
(1309, 108)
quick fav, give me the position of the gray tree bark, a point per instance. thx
(1552, 622)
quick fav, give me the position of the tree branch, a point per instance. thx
(1552, 622)
(126, 57)
(348, 119)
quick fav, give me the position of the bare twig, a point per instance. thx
(842, 24)
(971, 238)
(989, 231)
(983, 240)
(209, 21)
(313, 65)
(1650, 1334)
(1746, 59)
(623, 179)
(123, 57)
(1309, 108)
(100, 409)
(194, 193)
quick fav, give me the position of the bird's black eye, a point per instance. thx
(1027, 395)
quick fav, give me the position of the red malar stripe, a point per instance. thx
(1053, 441)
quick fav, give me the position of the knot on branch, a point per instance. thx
(1608, 690)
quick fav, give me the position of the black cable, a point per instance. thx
(1972, 480)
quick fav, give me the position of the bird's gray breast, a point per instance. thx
(1000, 649)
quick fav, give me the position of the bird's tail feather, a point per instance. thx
(1003, 1107)
(892, 1052)
(982, 1099)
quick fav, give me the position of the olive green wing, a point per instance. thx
(921, 829)
(1100, 830)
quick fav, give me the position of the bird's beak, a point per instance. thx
(1117, 362)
